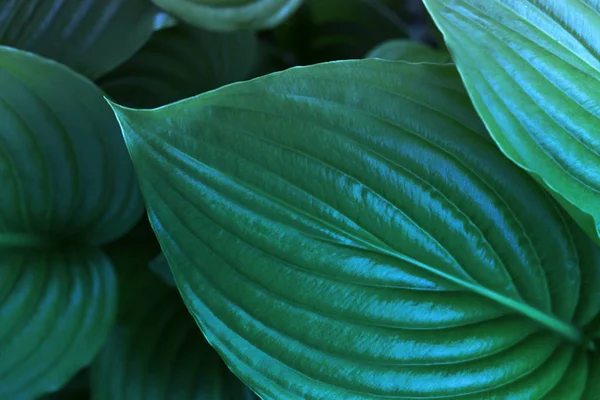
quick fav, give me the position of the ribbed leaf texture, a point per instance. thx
(87, 35)
(349, 231)
(532, 68)
(67, 187)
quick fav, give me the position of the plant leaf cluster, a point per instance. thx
(299, 199)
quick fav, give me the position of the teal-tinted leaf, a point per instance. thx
(159, 353)
(160, 267)
(230, 15)
(408, 50)
(181, 62)
(67, 186)
(350, 231)
(91, 36)
(57, 309)
(532, 68)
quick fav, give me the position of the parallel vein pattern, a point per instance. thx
(67, 186)
(231, 15)
(181, 62)
(57, 309)
(87, 35)
(535, 84)
(159, 353)
(349, 231)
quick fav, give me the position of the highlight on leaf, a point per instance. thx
(349, 230)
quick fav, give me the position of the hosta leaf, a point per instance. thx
(230, 15)
(350, 231)
(408, 50)
(57, 309)
(532, 68)
(160, 353)
(67, 186)
(87, 35)
(160, 267)
(181, 62)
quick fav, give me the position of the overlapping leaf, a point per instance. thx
(158, 352)
(408, 50)
(231, 15)
(181, 62)
(532, 68)
(91, 36)
(350, 231)
(67, 186)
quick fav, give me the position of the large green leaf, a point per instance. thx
(532, 68)
(350, 231)
(231, 15)
(159, 352)
(91, 36)
(67, 187)
(181, 62)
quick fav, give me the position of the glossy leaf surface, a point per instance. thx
(350, 231)
(67, 186)
(159, 353)
(231, 15)
(532, 68)
(408, 50)
(57, 309)
(91, 36)
(181, 62)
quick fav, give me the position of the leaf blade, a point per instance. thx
(86, 35)
(534, 87)
(307, 195)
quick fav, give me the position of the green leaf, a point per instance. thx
(350, 231)
(339, 29)
(532, 69)
(57, 309)
(160, 267)
(408, 50)
(159, 352)
(230, 15)
(91, 36)
(181, 62)
(67, 187)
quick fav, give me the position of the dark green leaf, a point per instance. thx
(160, 267)
(57, 309)
(230, 15)
(408, 50)
(339, 29)
(91, 36)
(350, 231)
(159, 353)
(181, 62)
(67, 186)
(532, 68)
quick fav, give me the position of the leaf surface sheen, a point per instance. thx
(350, 231)
(532, 68)
(230, 15)
(87, 35)
(67, 188)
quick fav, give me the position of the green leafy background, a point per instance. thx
(340, 199)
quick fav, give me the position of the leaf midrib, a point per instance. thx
(552, 323)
